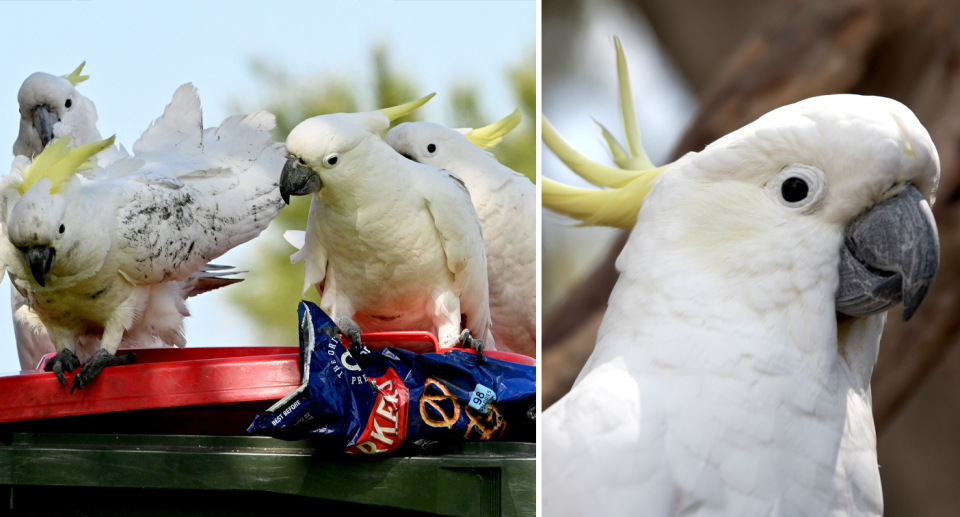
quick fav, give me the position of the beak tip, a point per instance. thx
(913, 300)
(41, 260)
(285, 198)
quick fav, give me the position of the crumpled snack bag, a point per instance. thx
(376, 402)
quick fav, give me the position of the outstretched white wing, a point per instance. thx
(188, 194)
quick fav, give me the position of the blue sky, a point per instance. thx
(138, 53)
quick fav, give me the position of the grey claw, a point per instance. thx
(93, 368)
(468, 342)
(64, 360)
(349, 328)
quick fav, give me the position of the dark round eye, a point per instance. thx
(431, 148)
(69, 103)
(62, 228)
(331, 160)
(794, 189)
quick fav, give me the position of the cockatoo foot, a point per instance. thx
(100, 360)
(349, 328)
(64, 360)
(468, 342)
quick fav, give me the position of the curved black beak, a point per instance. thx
(41, 260)
(892, 253)
(43, 121)
(298, 180)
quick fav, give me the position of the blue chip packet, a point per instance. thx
(375, 402)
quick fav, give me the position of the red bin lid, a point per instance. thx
(175, 377)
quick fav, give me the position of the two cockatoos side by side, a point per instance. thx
(731, 374)
(112, 256)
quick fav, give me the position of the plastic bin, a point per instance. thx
(166, 436)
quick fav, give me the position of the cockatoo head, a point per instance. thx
(329, 149)
(831, 193)
(439, 146)
(51, 108)
(42, 221)
(861, 170)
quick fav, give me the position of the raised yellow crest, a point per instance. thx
(489, 136)
(618, 205)
(74, 77)
(405, 109)
(59, 162)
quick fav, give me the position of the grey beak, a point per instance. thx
(41, 260)
(43, 121)
(298, 180)
(892, 253)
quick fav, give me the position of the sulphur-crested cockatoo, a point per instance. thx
(392, 244)
(505, 201)
(52, 108)
(115, 256)
(731, 374)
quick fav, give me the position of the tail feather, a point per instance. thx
(209, 278)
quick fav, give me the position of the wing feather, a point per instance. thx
(190, 195)
(461, 236)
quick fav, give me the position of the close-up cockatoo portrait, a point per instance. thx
(506, 203)
(391, 244)
(731, 373)
(110, 256)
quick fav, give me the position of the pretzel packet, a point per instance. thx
(377, 402)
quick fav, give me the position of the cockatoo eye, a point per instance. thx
(63, 228)
(794, 190)
(801, 187)
(68, 103)
(431, 149)
(331, 160)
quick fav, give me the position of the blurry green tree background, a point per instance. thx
(271, 289)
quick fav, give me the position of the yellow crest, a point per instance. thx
(74, 77)
(489, 136)
(59, 162)
(619, 205)
(405, 109)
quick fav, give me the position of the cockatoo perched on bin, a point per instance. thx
(731, 374)
(115, 256)
(505, 201)
(51, 108)
(392, 244)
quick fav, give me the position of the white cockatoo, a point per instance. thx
(391, 244)
(505, 201)
(114, 255)
(52, 108)
(731, 374)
